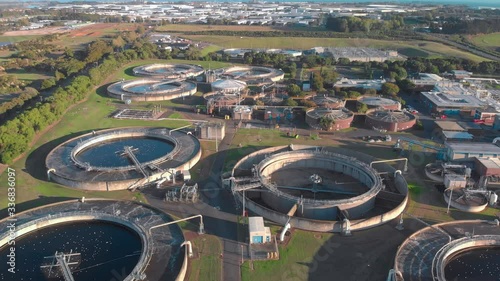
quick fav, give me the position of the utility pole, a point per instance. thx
(243, 211)
(216, 139)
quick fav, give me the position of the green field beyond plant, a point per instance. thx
(407, 48)
(491, 41)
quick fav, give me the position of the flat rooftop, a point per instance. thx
(490, 163)
(449, 126)
(469, 125)
(430, 76)
(457, 135)
(475, 147)
(256, 224)
(456, 101)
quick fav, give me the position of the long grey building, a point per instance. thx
(461, 150)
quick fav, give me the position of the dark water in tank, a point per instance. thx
(108, 251)
(105, 154)
(482, 264)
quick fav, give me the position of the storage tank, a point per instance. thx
(493, 199)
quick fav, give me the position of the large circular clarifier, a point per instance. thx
(322, 189)
(112, 154)
(253, 75)
(345, 185)
(107, 251)
(170, 71)
(475, 264)
(151, 89)
(122, 158)
(101, 239)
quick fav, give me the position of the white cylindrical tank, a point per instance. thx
(493, 199)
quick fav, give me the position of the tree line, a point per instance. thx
(386, 35)
(460, 26)
(354, 24)
(18, 133)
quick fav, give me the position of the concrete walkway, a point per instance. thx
(217, 206)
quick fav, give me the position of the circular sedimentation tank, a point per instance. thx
(379, 102)
(465, 201)
(169, 71)
(318, 187)
(151, 89)
(390, 120)
(108, 240)
(482, 263)
(122, 158)
(274, 99)
(254, 75)
(218, 101)
(457, 250)
(228, 86)
(342, 118)
(328, 102)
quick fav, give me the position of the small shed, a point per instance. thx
(242, 112)
(258, 233)
(455, 181)
(211, 131)
(487, 166)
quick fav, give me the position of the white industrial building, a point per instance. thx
(258, 233)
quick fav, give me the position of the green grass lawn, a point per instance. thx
(202, 27)
(293, 262)
(21, 74)
(210, 49)
(491, 41)
(207, 266)
(175, 115)
(15, 39)
(411, 48)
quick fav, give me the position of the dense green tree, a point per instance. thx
(290, 102)
(361, 107)
(390, 89)
(326, 122)
(406, 85)
(293, 90)
(317, 82)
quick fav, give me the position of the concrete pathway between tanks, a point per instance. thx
(232, 253)
(218, 210)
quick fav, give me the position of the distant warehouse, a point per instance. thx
(438, 102)
(461, 150)
(362, 54)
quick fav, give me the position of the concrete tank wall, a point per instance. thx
(330, 224)
(323, 225)
(86, 216)
(339, 124)
(45, 221)
(459, 245)
(319, 209)
(389, 126)
(465, 208)
(121, 184)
